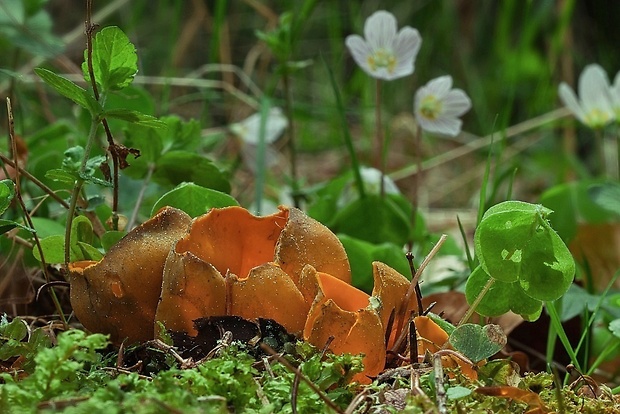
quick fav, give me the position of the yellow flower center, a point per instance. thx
(596, 118)
(382, 59)
(430, 107)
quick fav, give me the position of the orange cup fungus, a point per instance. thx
(287, 267)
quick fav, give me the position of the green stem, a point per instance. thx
(474, 305)
(355, 166)
(379, 159)
(600, 148)
(77, 188)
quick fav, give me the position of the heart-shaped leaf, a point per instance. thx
(478, 342)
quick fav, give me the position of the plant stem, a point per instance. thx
(379, 159)
(77, 188)
(600, 148)
(474, 305)
(355, 166)
(20, 200)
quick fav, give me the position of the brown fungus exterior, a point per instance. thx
(118, 295)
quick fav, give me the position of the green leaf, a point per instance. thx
(89, 252)
(515, 242)
(478, 342)
(573, 205)
(28, 26)
(115, 62)
(606, 195)
(70, 90)
(134, 117)
(7, 225)
(374, 219)
(7, 192)
(359, 253)
(53, 250)
(80, 249)
(457, 392)
(194, 199)
(175, 167)
(614, 327)
(443, 324)
(60, 175)
(501, 297)
(110, 238)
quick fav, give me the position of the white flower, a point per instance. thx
(371, 177)
(437, 107)
(249, 129)
(594, 106)
(385, 54)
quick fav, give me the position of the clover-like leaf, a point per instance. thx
(501, 297)
(478, 342)
(515, 242)
(115, 62)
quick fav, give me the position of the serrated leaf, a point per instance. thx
(7, 192)
(478, 342)
(135, 117)
(115, 62)
(7, 225)
(61, 175)
(194, 199)
(70, 90)
(614, 327)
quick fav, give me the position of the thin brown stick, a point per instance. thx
(20, 200)
(35, 180)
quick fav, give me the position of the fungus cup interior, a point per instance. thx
(233, 240)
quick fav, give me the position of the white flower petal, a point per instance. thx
(380, 29)
(249, 129)
(440, 86)
(360, 51)
(437, 106)
(594, 89)
(456, 103)
(406, 47)
(569, 99)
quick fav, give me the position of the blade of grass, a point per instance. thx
(556, 323)
(359, 183)
(470, 259)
